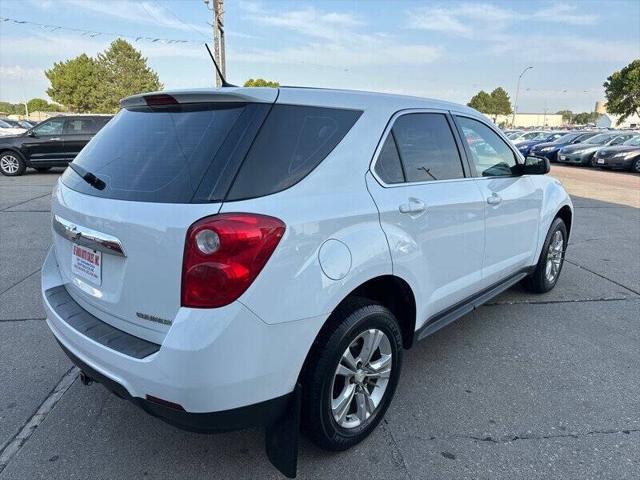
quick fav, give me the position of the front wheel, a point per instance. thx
(11, 164)
(351, 375)
(549, 266)
(635, 166)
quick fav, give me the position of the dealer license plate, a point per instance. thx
(87, 264)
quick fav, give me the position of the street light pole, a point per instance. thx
(515, 105)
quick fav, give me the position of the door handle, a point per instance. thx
(494, 199)
(55, 138)
(414, 205)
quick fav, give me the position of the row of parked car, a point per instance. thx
(10, 127)
(602, 149)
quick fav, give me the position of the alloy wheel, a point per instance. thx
(554, 257)
(361, 378)
(9, 164)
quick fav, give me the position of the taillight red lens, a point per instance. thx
(214, 277)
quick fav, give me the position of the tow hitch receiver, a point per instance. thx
(85, 379)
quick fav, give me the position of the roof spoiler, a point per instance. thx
(205, 95)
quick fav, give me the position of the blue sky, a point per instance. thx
(441, 49)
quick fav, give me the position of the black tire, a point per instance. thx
(42, 169)
(635, 165)
(12, 164)
(347, 323)
(538, 281)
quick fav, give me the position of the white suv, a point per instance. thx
(232, 257)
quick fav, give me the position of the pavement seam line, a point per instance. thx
(601, 276)
(19, 282)
(26, 201)
(7, 320)
(387, 431)
(512, 438)
(13, 446)
(553, 302)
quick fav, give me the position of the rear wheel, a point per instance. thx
(549, 266)
(635, 166)
(351, 375)
(11, 164)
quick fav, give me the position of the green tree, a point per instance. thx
(123, 72)
(481, 101)
(567, 115)
(261, 82)
(622, 90)
(75, 83)
(38, 104)
(11, 108)
(585, 118)
(500, 103)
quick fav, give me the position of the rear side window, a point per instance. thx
(388, 166)
(80, 126)
(156, 155)
(292, 142)
(427, 147)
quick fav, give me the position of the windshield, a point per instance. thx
(4, 124)
(633, 141)
(567, 137)
(513, 135)
(600, 139)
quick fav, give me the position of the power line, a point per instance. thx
(171, 12)
(96, 33)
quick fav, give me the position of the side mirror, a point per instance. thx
(536, 165)
(31, 133)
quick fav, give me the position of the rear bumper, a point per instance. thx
(212, 363)
(620, 163)
(260, 414)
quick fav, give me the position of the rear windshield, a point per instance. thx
(208, 152)
(157, 155)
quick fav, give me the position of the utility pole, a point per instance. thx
(515, 105)
(218, 36)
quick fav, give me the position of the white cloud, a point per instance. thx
(469, 19)
(18, 72)
(332, 39)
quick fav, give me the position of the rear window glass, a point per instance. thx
(159, 155)
(292, 142)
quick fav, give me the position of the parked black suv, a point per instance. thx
(52, 143)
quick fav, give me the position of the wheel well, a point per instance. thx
(14, 151)
(393, 293)
(566, 216)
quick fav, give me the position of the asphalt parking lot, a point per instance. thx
(526, 387)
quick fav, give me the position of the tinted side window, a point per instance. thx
(388, 166)
(490, 154)
(50, 127)
(293, 140)
(80, 126)
(427, 147)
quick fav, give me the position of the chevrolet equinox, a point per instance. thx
(233, 257)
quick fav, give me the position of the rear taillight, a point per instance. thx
(224, 254)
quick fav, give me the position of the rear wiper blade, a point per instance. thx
(88, 177)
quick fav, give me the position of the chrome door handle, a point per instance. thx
(494, 199)
(414, 205)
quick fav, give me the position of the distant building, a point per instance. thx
(601, 107)
(609, 120)
(526, 120)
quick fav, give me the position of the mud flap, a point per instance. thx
(282, 436)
